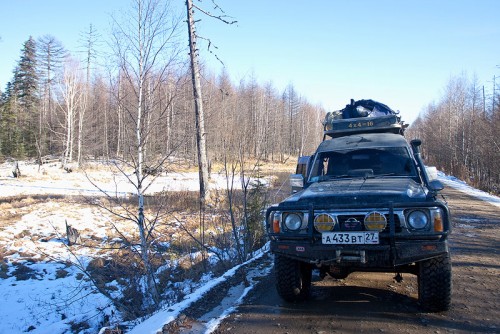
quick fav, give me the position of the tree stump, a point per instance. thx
(16, 172)
(72, 234)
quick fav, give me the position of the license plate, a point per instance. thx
(350, 238)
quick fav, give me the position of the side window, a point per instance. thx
(322, 166)
(316, 169)
(302, 165)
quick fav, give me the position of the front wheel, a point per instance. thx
(434, 284)
(293, 278)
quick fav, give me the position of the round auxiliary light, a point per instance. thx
(293, 221)
(418, 219)
(324, 222)
(375, 221)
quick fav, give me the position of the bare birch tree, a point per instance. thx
(145, 46)
(70, 87)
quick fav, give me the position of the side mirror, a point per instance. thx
(302, 165)
(436, 185)
(296, 182)
(416, 142)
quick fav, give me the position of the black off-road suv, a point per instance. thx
(363, 202)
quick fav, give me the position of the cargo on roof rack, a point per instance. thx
(363, 116)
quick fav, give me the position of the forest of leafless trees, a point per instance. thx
(73, 115)
(79, 108)
(461, 133)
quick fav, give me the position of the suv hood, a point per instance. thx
(360, 191)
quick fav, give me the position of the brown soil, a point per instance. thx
(374, 302)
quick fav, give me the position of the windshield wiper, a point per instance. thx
(383, 175)
(334, 177)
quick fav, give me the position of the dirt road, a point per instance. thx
(375, 303)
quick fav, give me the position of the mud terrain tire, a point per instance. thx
(434, 284)
(293, 278)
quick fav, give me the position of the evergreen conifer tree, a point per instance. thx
(26, 101)
(9, 129)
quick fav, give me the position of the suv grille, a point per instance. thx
(355, 223)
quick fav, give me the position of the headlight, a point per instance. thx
(324, 223)
(418, 219)
(293, 221)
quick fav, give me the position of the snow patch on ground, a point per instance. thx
(51, 179)
(48, 296)
(156, 322)
(465, 226)
(40, 292)
(464, 187)
(46, 304)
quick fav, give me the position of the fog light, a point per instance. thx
(375, 221)
(324, 223)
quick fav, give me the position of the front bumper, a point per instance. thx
(395, 248)
(362, 256)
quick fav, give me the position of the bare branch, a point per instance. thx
(222, 18)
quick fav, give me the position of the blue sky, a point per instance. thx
(401, 53)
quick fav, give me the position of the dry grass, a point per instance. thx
(112, 259)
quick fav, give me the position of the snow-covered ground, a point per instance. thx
(48, 296)
(464, 187)
(155, 323)
(51, 179)
(43, 291)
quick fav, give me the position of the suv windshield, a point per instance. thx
(373, 162)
